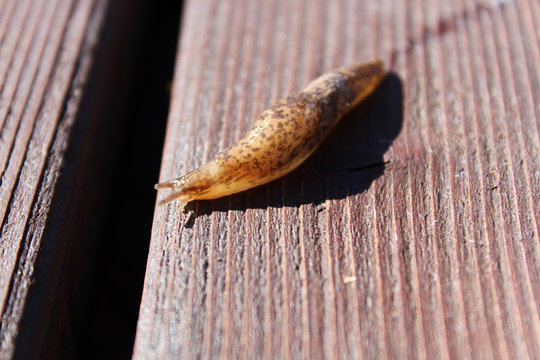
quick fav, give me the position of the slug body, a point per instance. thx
(282, 137)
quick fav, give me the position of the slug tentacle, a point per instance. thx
(282, 137)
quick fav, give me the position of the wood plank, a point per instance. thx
(412, 232)
(44, 64)
(63, 79)
(38, 64)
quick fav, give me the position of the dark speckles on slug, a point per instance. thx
(299, 123)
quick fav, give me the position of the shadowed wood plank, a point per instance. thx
(38, 66)
(60, 95)
(413, 231)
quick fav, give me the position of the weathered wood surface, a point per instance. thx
(433, 255)
(44, 61)
(56, 68)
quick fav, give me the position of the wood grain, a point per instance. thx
(412, 233)
(55, 68)
(44, 61)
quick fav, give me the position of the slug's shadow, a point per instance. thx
(347, 162)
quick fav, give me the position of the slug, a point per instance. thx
(282, 137)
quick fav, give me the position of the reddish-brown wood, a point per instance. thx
(437, 256)
(63, 87)
(44, 62)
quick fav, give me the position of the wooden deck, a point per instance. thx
(412, 233)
